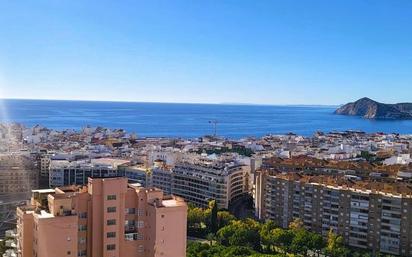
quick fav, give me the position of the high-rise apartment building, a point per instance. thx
(204, 179)
(162, 177)
(198, 179)
(369, 215)
(108, 218)
(18, 176)
(64, 172)
(44, 163)
(135, 173)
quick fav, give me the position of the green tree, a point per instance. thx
(194, 249)
(266, 255)
(224, 218)
(211, 237)
(335, 246)
(300, 242)
(296, 224)
(224, 234)
(316, 242)
(282, 238)
(213, 216)
(266, 235)
(195, 221)
(237, 251)
(254, 239)
(245, 237)
(241, 233)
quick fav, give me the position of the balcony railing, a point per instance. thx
(133, 236)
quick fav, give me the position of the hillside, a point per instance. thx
(370, 109)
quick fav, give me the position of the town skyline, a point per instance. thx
(184, 128)
(351, 185)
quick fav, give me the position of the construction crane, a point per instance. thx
(214, 122)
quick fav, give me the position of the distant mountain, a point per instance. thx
(370, 109)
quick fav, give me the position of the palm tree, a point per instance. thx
(211, 238)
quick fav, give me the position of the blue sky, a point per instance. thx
(213, 51)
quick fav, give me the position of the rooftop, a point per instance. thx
(43, 191)
(173, 203)
(340, 182)
(106, 162)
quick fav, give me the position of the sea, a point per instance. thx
(190, 120)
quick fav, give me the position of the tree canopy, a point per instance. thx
(227, 236)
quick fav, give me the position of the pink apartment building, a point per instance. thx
(108, 218)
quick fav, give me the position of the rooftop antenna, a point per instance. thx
(214, 122)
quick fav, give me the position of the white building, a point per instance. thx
(222, 179)
(63, 172)
(402, 159)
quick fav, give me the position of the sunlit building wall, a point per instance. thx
(108, 218)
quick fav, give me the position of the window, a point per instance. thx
(111, 197)
(82, 253)
(140, 224)
(137, 236)
(111, 234)
(82, 240)
(111, 222)
(129, 222)
(128, 237)
(83, 215)
(111, 209)
(82, 227)
(130, 210)
(111, 247)
(140, 212)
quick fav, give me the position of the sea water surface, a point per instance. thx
(190, 120)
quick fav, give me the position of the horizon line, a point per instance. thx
(159, 102)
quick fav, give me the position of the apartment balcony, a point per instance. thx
(130, 229)
(10, 253)
(66, 213)
(356, 242)
(10, 244)
(10, 233)
(133, 236)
